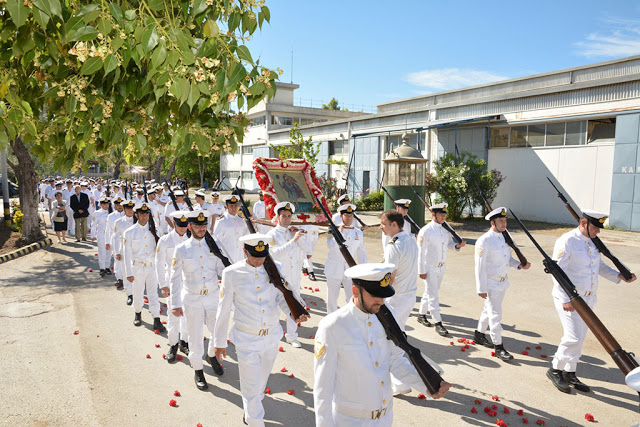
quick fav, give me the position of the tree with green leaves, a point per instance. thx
(300, 148)
(148, 77)
(331, 105)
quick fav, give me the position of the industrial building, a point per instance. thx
(579, 126)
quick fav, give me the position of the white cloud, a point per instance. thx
(624, 40)
(451, 78)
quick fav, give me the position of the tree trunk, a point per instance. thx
(202, 165)
(28, 191)
(116, 169)
(172, 169)
(157, 169)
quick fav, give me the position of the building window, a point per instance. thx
(395, 141)
(601, 130)
(555, 134)
(247, 177)
(283, 121)
(518, 136)
(338, 147)
(247, 149)
(258, 121)
(575, 133)
(535, 137)
(499, 137)
(233, 175)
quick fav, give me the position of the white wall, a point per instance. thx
(584, 173)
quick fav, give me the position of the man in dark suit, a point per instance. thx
(80, 206)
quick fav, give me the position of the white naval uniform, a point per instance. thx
(313, 233)
(335, 266)
(227, 231)
(406, 228)
(259, 212)
(216, 209)
(402, 251)
(140, 249)
(98, 232)
(207, 207)
(66, 195)
(169, 209)
(195, 288)
(158, 217)
(492, 261)
(337, 220)
(290, 255)
(119, 227)
(578, 257)
(353, 363)
(176, 326)
(108, 239)
(434, 243)
(256, 330)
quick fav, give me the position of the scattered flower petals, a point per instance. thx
(487, 409)
(173, 403)
(178, 357)
(199, 425)
(291, 376)
(520, 412)
(312, 337)
(494, 406)
(176, 393)
(528, 348)
(466, 346)
(267, 391)
(540, 422)
(90, 270)
(451, 343)
(307, 308)
(164, 356)
(544, 356)
(473, 343)
(76, 332)
(281, 349)
(525, 352)
(495, 398)
(165, 305)
(157, 345)
(164, 322)
(421, 396)
(492, 413)
(474, 410)
(148, 356)
(461, 348)
(501, 423)
(525, 420)
(589, 417)
(283, 370)
(538, 347)
(477, 401)
(146, 301)
(290, 392)
(493, 353)
(506, 410)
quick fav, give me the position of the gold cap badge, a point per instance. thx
(386, 281)
(260, 246)
(201, 217)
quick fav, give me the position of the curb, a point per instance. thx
(26, 250)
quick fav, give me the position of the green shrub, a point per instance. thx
(374, 201)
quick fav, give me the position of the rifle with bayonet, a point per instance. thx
(108, 194)
(626, 362)
(626, 273)
(415, 229)
(445, 225)
(270, 267)
(428, 374)
(126, 188)
(507, 237)
(152, 222)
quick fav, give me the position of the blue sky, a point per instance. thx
(372, 52)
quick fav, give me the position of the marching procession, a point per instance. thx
(237, 273)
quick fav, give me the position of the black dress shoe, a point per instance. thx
(422, 319)
(571, 379)
(184, 347)
(102, 272)
(201, 382)
(217, 368)
(556, 377)
(481, 339)
(172, 354)
(157, 325)
(441, 330)
(502, 354)
(312, 276)
(108, 271)
(129, 299)
(137, 321)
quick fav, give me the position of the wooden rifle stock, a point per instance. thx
(626, 273)
(625, 361)
(445, 225)
(428, 374)
(270, 267)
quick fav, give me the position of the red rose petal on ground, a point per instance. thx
(228, 341)
(538, 347)
(280, 349)
(165, 305)
(312, 337)
(473, 343)
(291, 376)
(506, 410)
(544, 356)
(178, 357)
(525, 352)
(164, 356)
(173, 403)
(493, 353)
(461, 348)
(317, 289)
(176, 393)
(307, 308)
(283, 370)
(474, 410)
(540, 422)
(90, 271)
(146, 301)
(525, 420)
(520, 412)
(487, 409)
(477, 401)
(451, 343)
(267, 391)
(76, 332)
(164, 322)
(501, 423)
(466, 346)
(421, 396)
(528, 348)
(492, 413)
(589, 417)
(199, 425)
(494, 406)
(148, 356)
(156, 331)
(496, 398)
(290, 391)
(157, 345)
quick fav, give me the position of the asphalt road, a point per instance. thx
(102, 375)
